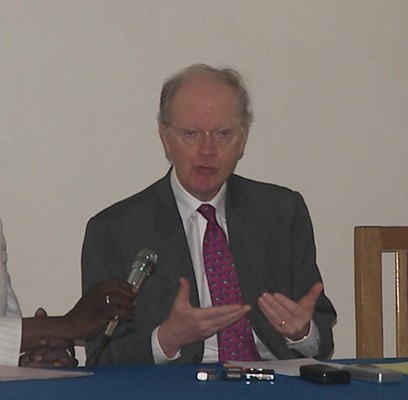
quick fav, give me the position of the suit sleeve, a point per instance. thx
(102, 259)
(306, 273)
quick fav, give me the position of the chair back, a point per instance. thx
(369, 244)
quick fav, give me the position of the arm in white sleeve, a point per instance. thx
(10, 340)
(10, 313)
(308, 345)
(158, 354)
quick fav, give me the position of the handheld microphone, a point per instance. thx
(143, 266)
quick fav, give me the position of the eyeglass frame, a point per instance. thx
(216, 135)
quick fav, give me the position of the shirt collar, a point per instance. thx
(188, 204)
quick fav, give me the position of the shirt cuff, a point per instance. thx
(10, 341)
(309, 344)
(158, 353)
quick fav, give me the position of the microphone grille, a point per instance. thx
(146, 255)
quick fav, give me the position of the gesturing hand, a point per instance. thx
(289, 318)
(187, 324)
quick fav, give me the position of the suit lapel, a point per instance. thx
(173, 251)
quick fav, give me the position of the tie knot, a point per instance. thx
(208, 212)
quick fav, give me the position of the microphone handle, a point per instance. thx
(142, 268)
(111, 326)
(136, 285)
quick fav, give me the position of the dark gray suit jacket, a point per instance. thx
(271, 238)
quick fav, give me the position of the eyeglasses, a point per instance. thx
(222, 137)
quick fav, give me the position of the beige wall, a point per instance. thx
(80, 82)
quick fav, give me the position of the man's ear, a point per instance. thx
(243, 144)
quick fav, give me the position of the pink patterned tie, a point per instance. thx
(236, 341)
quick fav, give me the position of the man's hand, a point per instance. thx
(101, 303)
(50, 352)
(287, 317)
(53, 353)
(186, 324)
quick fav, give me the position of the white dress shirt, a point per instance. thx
(195, 225)
(10, 313)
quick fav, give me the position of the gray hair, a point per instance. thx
(226, 75)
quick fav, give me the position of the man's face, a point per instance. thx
(203, 164)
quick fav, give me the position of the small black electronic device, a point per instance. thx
(321, 373)
(233, 374)
(259, 374)
(249, 374)
(371, 373)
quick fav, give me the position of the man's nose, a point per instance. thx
(207, 143)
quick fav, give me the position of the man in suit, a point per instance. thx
(204, 121)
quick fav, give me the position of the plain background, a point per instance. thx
(80, 84)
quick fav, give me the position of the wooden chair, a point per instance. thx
(369, 244)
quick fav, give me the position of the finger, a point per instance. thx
(279, 301)
(120, 305)
(51, 355)
(62, 363)
(40, 313)
(278, 304)
(68, 362)
(109, 285)
(273, 310)
(118, 298)
(224, 310)
(183, 294)
(282, 321)
(224, 320)
(309, 300)
(286, 317)
(110, 292)
(57, 343)
(48, 355)
(123, 289)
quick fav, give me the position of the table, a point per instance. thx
(179, 382)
